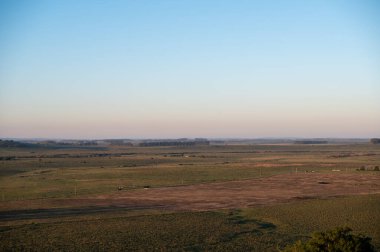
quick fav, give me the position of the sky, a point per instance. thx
(189, 68)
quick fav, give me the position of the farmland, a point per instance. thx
(218, 197)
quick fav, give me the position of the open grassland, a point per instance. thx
(200, 198)
(62, 173)
(263, 228)
(361, 213)
(208, 196)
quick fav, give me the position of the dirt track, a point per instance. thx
(233, 194)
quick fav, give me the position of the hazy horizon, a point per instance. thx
(173, 69)
(189, 138)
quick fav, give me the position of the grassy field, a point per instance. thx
(255, 229)
(49, 174)
(62, 173)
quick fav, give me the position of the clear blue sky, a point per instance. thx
(104, 69)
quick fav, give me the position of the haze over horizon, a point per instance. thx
(172, 69)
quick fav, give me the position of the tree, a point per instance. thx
(337, 240)
(375, 140)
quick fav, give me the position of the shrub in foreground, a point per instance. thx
(337, 240)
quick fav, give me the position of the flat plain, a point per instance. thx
(191, 198)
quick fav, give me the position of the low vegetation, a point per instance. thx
(267, 228)
(338, 239)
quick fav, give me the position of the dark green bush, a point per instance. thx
(337, 240)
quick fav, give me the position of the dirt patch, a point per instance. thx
(263, 191)
(223, 195)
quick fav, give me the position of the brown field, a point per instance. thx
(221, 195)
(252, 192)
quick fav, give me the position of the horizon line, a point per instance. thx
(177, 138)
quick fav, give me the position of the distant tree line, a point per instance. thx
(375, 140)
(179, 142)
(119, 142)
(14, 144)
(310, 142)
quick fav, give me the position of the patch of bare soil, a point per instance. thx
(222, 195)
(253, 192)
